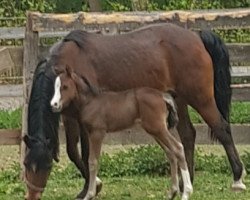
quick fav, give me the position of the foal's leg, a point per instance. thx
(176, 147)
(95, 142)
(174, 170)
(158, 129)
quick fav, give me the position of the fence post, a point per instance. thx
(30, 58)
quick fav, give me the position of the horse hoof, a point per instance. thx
(98, 188)
(238, 186)
(172, 194)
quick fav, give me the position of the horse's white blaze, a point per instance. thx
(56, 100)
(188, 188)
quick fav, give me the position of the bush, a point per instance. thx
(148, 160)
(10, 119)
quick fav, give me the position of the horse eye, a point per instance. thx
(65, 87)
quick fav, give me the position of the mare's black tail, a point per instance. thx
(222, 76)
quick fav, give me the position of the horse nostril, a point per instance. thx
(55, 104)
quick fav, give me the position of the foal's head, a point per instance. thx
(68, 87)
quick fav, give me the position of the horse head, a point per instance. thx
(38, 163)
(70, 87)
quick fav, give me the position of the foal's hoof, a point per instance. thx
(238, 186)
(98, 188)
(172, 194)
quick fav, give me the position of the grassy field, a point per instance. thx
(207, 186)
(239, 114)
(64, 183)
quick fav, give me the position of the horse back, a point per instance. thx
(164, 57)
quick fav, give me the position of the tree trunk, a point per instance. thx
(95, 5)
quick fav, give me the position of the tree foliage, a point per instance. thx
(18, 8)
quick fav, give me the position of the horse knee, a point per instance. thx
(222, 132)
(93, 165)
(180, 154)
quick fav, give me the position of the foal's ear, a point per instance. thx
(69, 70)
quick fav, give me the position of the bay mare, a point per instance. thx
(164, 57)
(42, 139)
(104, 112)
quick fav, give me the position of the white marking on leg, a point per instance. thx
(92, 180)
(239, 185)
(56, 100)
(188, 188)
(98, 180)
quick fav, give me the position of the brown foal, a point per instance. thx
(102, 112)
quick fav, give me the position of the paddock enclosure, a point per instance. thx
(42, 25)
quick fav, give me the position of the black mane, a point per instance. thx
(77, 36)
(42, 122)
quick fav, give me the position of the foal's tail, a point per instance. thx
(172, 116)
(222, 76)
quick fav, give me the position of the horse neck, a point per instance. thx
(82, 100)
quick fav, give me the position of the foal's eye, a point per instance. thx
(65, 87)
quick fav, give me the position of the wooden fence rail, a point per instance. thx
(239, 54)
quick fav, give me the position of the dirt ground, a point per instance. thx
(11, 103)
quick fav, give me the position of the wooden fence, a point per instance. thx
(57, 25)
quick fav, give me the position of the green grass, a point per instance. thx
(240, 114)
(207, 186)
(212, 179)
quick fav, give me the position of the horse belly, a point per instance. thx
(121, 117)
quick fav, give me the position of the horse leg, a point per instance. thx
(84, 137)
(187, 135)
(72, 131)
(158, 129)
(221, 131)
(177, 149)
(95, 142)
(173, 171)
(72, 137)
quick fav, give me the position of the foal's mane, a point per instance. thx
(42, 122)
(94, 90)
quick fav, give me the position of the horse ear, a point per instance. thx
(69, 70)
(49, 145)
(28, 141)
(93, 89)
